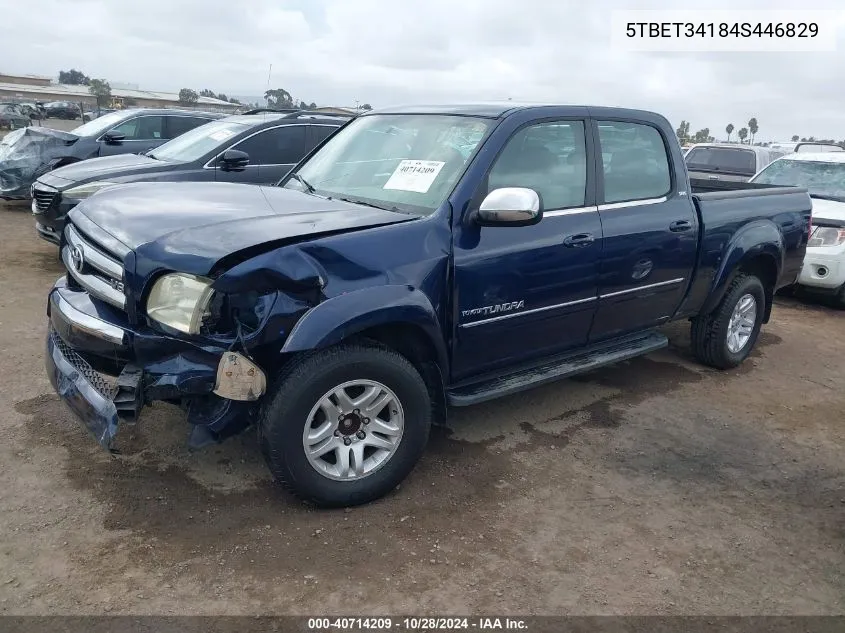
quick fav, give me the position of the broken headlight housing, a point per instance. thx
(180, 301)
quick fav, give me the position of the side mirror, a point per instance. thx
(233, 160)
(510, 206)
(114, 137)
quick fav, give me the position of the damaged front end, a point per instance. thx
(107, 364)
(28, 153)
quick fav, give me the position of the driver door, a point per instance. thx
(528, 292)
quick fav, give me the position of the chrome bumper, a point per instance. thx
(76, 328)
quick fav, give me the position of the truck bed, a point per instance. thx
(732, 212)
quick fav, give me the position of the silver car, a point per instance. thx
(728, 161)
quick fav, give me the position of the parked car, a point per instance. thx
(12, 117)
(823, 175)
(41, 149)
(62, 110)
(728, 161)
(390, 275)
(252, 148)
(812, 147)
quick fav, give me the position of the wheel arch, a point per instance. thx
(399, 317)
(756, 250)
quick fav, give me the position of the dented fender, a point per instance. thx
(343, 316)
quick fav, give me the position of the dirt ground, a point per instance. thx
(653, 487)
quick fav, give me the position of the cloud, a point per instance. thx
(388, 52)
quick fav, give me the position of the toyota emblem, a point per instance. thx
(77, 258)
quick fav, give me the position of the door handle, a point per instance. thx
(680, 226)
(579, 240)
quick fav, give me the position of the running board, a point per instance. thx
(562, 366)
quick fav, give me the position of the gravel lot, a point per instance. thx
(657, 486)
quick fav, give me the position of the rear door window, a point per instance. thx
(178, 125)
(318, 134)
(276, 146)
(727, 160)
(635, 162)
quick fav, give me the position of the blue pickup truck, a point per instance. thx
(420, 258)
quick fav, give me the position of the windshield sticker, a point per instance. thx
(221, 135)
(414, 175)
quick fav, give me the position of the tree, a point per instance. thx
(222, 97)
(205, 92)
(101, 90)
(795, 138)
(366, 107)
(752, 127)
(278, 98)
(729, 129)
(233, 100)
(188, 97)
(702, 136)
(73, 77)
(742, 134)
(683, 131)
(312, 106)
(303, 105)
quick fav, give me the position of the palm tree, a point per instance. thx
(752, 127)
(729, 129)
(743, 132)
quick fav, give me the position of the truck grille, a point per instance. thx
(105, 385)
(95, 270)
(43, 197)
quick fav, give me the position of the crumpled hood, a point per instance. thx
(191, 226)
(828, 210)
(102, 168)
(26, 153)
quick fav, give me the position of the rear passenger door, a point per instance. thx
(273, 152)
(650, 229)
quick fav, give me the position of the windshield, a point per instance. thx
(819, 178)
(409, 162)
(100, 124)
(722, 159)
(198, 142)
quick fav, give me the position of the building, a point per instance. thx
(43, 89)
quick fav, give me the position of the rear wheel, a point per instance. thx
(725, 337)
(346, 424)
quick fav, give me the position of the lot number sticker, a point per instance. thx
(414, 175)
(221, 135)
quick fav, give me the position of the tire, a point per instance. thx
(710, 341)
(294, 406)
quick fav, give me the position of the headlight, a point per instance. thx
(180, 301)
(827, 236)
(85, 191)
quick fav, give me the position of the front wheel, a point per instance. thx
(725, 337)
(346, 424)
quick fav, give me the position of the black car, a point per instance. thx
(62, 110)
(36, 150)
(13, 117)
(258, 147)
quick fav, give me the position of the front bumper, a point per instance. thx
(823, 269)
(106, 371)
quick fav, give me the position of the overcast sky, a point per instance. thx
(386, 52)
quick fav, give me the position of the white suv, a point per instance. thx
(823, 175)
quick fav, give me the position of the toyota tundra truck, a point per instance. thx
(421, 258)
